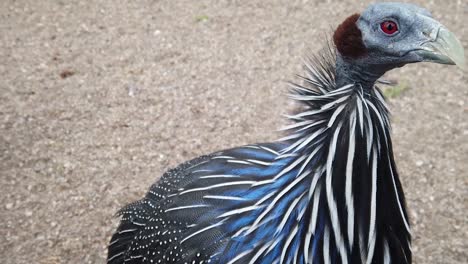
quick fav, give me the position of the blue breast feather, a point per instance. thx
(245, 184)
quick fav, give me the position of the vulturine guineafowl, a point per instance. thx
(328, 192)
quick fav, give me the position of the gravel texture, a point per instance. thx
(98, 98)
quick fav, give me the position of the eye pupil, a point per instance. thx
(389, 27)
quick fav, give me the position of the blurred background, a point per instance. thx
(99, 98)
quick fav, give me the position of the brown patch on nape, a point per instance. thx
(348, 38)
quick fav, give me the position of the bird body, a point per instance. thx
(328, 192)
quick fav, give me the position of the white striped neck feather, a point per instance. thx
(343, 137)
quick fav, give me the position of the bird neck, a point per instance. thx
(344, 142)
(342, 139)
(357, 71)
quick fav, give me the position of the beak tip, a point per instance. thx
(462, 65)
(460, 62)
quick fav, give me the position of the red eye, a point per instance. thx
(389, 27)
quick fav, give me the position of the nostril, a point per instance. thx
(427, 34)
(431, 35)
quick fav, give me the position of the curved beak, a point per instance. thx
(444, 48)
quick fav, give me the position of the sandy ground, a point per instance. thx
(98, 98)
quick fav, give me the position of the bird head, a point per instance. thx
(390, 35)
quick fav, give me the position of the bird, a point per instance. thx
(327, 192)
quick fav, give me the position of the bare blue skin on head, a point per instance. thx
(419, 38)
